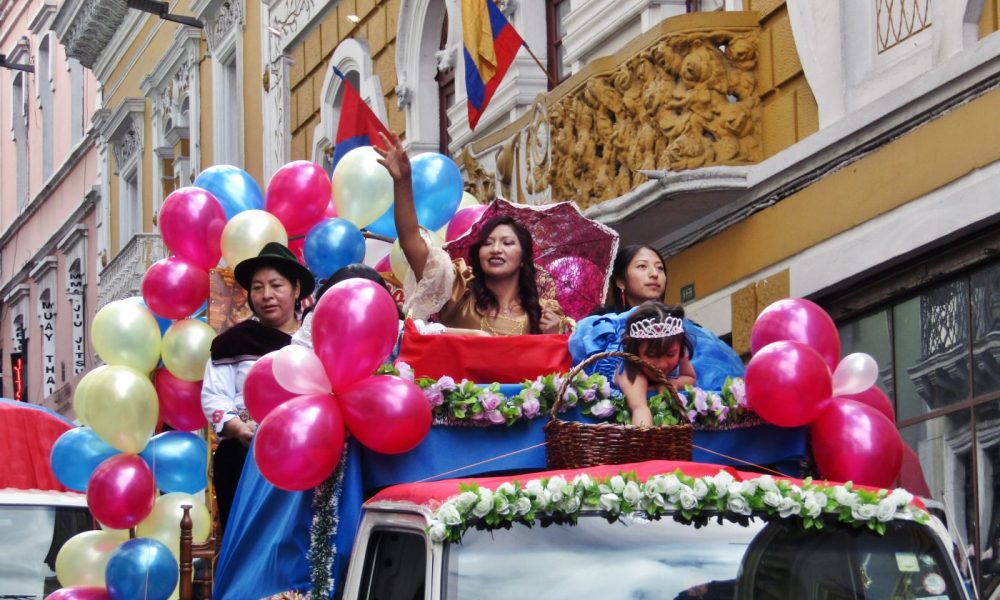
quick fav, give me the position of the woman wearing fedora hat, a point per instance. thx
(275, 283)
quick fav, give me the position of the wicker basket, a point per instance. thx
(573, 445)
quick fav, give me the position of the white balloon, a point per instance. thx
(856, 373)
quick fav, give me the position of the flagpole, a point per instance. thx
(548, 75)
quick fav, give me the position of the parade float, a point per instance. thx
(339, 422)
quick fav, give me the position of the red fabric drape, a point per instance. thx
(26, 438)
(484, 359)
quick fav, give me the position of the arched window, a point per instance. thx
(418, 56)
(446, 93)
(555, 20)
(19, 127)
(76, 111)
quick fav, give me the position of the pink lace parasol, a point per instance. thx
(573, 253)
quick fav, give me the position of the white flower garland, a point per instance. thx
(556, 499)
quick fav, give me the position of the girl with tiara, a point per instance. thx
(655, 333)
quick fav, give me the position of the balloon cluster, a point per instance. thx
(796, 377)
(304, 399)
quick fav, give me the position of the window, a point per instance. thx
(19, 127)
(939, 354)
(129, 207)
(76, 117)
(228, 109)
(395, 566)
(446, 94)
(555, 16)
(44, 92)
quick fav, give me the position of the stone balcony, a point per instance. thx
(679, 103)
(122, 278)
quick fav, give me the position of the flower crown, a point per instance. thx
(653, 328)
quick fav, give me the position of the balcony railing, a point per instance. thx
(122, 278)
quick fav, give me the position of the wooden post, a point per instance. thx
(186, 561)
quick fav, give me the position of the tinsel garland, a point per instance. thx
(322, 544)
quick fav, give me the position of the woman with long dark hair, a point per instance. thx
(638, 274)
(493, 291)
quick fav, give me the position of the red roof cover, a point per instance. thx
(27, 434)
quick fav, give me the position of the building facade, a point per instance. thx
(48, 217)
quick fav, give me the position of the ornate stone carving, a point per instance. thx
(686, 101)
(129, 146)
(445, 59)
(404, 95)
(230, 17)
(92, 28)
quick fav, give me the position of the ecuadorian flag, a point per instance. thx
(490, 46)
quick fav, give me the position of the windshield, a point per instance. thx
(639, 559)
(30, 539)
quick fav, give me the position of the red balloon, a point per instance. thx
(852, 441)
(299, 194)
(297, 246)
(911, 474)
(463, 221)
(875, 398)
(299, 443)
(79, 593)
(174, 289)
(261, 391)
(121, 491)
(180, 401)
(331, 211)
(787, 384)
(799, 320)
(354, 330)
(387, 414)
(191, 223)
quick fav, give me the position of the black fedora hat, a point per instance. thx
(276, 255)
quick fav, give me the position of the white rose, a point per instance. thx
(901, 497)
(671, 485)
(656, 486)
(844, 497)
(738, 504)
(522, 506)
(449, 515)
(748, 488)
(886, 509)
(610, 503)
(485, 504)
(687, 498)
(534, 487)
(501, 505)
(863, 512)
(700, 488)
(545, 500)
(466, 500)
(788, 508)
(814, 503)
(570, 505)
(721, 482)
(438, 531)
(583, 481)
(767, 484)
(772, 499)
(632, 493)
(505, 488)
(555, 487)
(617, 484)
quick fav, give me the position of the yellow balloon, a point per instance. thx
(186, 347)
(397, 262)
(362, 188)
(468, 200)
(81, 391)
(125, 333)
(83, 558)
(248, 232)
(164, 523)
(121, 534)
(122, 408)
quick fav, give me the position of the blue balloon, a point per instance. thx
(232, 187)
(141, 568)
(437, 189)
(179, 461)
(385, 225)
(76, 454)
(332, 244)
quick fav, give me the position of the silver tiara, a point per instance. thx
(653, 328)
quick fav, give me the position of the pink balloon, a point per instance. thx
(787, 384)
(463, 221)
(875, 398)
(121, 491)
(79, 593)
(261, 391)
(387, 414)
(299, 194)
(354, 329)
(298, 370)
(570, 273)
(383, 266)
(191, 223)
(297, 246)
(298, 445)
(180, 401)
(331, 211)
(852, 441)
(174, 289)
(798, 320)
(911, 474)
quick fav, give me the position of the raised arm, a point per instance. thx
(407, 228)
